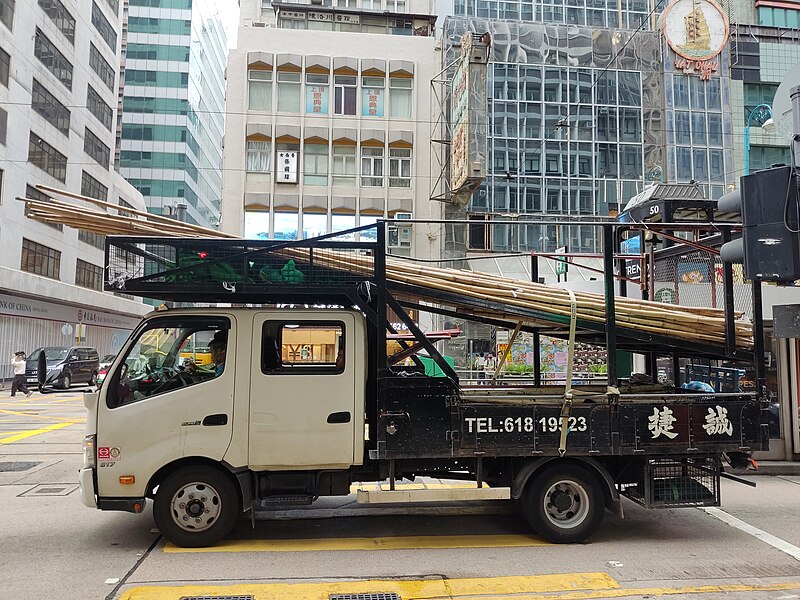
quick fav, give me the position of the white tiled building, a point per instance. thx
(328, 120)
(58, 94)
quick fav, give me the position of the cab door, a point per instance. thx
(155, 409)
(302, 391)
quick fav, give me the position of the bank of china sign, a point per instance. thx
(697, 31)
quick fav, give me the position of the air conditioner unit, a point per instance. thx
(398, 235)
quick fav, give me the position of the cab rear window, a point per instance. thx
(303, 347)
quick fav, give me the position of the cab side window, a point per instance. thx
(303, 348)
(170, 354)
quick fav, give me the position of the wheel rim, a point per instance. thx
(195, 506)
(566, 504)
(67, 381)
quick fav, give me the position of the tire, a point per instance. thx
(196, 506)
(66, 382)
(93, 379)
(563, 503)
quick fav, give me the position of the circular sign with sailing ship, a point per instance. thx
(697, 30)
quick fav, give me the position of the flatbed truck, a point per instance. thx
(304, 401)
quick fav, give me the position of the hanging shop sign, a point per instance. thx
(697, 31)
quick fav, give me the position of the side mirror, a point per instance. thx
(73, 358)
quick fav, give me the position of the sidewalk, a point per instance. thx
(772, 467)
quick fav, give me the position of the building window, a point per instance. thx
(51, 57)
(371, 166)
(400, 167)
(62, 18)
(344, 166)
(96, 149)
(100, 66)
(257, 156)
(317, 93)
(372, 94)
(3, 126)
(114, 4)
(156, 78)
(104, 27)
(157, 52)
(88, 275)
(288, 92)
(5, 66)
(396, 6)
(44, 103)
(344, 94)
(259, 89)
(400, 89)
(92, 188)
(34, 194)
(315, 164)
(47, 158)
(7, 13)
(160, 26)
(91, 238)
(98, 107)
(755, 94)
(39, 259)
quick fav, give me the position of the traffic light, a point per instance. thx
(769, 247)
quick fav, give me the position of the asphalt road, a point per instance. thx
(54, 547)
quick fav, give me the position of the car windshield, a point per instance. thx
(50, 353)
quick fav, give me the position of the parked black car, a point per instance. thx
(65, 366)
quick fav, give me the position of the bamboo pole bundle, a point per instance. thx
(516, 297)
(686, 323)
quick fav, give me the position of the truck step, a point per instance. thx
(277, 500)
(437, 495)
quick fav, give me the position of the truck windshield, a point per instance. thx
(165, 358)
(50, 353)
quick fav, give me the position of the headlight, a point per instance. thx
(89, 454)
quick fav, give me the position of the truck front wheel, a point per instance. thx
(563, 504)
(196, 506)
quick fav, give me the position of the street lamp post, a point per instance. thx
(768, 125)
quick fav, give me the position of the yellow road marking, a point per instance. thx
(45, 417)
(593, 586)
(384, 543)
(729, 588)
(408, 590)
(32, 432)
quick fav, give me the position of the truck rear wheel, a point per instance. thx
(563, 504)
(196, 507)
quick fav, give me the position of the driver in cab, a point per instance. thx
(217, 348)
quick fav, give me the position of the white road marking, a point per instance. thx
(765, 537)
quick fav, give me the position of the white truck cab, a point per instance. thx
(284, 393)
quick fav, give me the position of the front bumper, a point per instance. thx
(88, 493)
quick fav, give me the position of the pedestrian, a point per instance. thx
(489, 366)
(18, 362)
(480, 361)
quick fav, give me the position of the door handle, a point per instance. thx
(339, 417)
(212, 420)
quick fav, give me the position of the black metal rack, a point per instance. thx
(310, 272)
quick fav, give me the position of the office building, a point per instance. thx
(173, 105)
(58, 93)
(328, 121)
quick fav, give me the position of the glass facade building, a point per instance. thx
(173, 106)
(586, 107)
